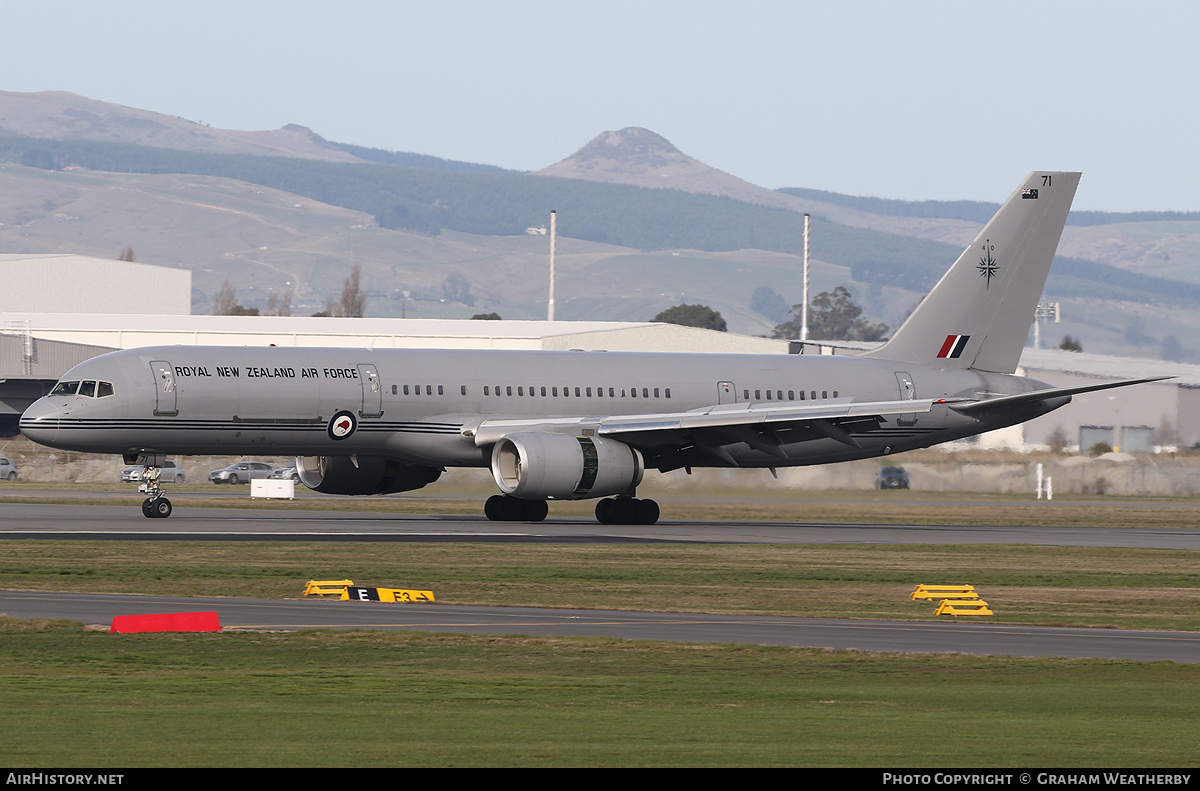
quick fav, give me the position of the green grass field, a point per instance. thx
(88, 699)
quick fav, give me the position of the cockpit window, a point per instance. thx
(65, 388)
(88, 389)
(104, 389)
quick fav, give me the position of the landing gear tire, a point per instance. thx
(158, 508)
(627, 511)
(502, 508)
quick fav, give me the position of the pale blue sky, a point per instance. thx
(911, 100)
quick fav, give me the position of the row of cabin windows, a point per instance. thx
(416, 389)
(551, 392)
(87, 388)
(777, 395)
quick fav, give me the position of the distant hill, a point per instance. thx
(642, 227)
(58, 115)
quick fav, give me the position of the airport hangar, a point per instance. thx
(58, 310)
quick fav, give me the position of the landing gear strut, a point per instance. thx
(156, 506)
(627, 511)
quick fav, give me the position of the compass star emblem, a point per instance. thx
(988, 266)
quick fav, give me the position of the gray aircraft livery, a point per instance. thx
(577, 425)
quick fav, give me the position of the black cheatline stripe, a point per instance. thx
(103, 423)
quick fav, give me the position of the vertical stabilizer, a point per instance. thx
(978, 315)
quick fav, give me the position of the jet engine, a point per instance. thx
(362, 474)
(564, 467)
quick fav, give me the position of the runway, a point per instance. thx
(109, 523)
(78, 522)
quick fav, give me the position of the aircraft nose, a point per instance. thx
(40, 422)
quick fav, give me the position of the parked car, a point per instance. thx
(891, 478)
(8, 470)
(284, 473)
(170, 472)
(240, 472)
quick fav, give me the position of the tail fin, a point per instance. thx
(978, 315)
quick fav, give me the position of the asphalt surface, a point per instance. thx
(78, 522)
(97, 523)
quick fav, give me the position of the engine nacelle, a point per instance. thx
(564, 467)
(371, 474)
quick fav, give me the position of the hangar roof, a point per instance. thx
(85, 284)
(130, 331)
(1105, 367)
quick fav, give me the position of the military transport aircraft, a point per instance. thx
(577, 425)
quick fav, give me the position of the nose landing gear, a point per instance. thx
(155, 506)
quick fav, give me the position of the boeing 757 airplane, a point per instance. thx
(579, 425)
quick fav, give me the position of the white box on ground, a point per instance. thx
(265, 487)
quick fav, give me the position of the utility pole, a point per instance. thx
(804, 291)
(553, 241)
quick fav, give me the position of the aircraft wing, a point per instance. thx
(825, 418)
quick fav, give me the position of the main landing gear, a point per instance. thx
(156, 506)
(627, 511)
(613, 511)
(502, 508)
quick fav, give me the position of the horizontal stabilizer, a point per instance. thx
(1005, 402)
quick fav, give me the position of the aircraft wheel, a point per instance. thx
(623, 511)
(536, 510)
(160, 508)
(491, 508)
(604, 512)
(646, 511)
(146, 509)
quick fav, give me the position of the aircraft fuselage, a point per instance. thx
(423, 406)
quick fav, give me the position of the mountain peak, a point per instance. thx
(632, 146)
(637, 156)
(626, 155)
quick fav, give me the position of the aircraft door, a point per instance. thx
(372, 391)
(165, 398)
(726, 393)
(908, 392)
